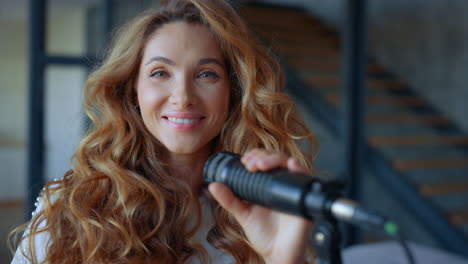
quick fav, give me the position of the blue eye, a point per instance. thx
(208, 74)
(159, 74)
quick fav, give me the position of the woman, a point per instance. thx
(179, 84)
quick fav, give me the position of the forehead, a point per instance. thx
(181, 41)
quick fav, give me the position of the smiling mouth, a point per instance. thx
(183, 120)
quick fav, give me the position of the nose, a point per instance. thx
(183, 93)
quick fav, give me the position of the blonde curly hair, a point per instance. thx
(118, 203)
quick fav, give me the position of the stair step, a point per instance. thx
(306, 48)
(299, 26)
(443, 188)
(458, 217)
(302, 64)
(426, 119)
(406, 100)
(450, 202)
(412, 164)
(435, 176)
(306, 27)
(326, 65)
(321, 40)
(296, 38)
(334, 81)
(388, 129)
(421, 152)
(307, 51)
(263, 14)
(379, 141)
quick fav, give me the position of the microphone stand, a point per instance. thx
(326, 234)
(327, 240)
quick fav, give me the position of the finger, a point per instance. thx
(253, 157)
(272, 161)
(249, 160)
(248, 155)
(263, 160)
(229, 201)
(294, 166)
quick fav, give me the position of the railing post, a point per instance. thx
(354, 79)
(35, 152)
(108, 18)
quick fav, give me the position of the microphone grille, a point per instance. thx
(214, 165)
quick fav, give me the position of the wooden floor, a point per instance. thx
(11, 215)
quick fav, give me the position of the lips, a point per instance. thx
(183, 121)
(183, 115)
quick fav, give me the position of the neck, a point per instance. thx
(189, 167)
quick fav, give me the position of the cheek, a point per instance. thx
(219, 101)
(148, 98)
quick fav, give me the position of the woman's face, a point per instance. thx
(183, 87)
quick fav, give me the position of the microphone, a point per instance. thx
(292, 193)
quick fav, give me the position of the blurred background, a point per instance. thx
(397, 131)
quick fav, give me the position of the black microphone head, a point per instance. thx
(277, 189)
(216, 163)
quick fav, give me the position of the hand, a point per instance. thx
(277, 237)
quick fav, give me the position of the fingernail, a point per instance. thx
(210, 188)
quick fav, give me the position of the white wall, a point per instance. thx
(63, 98)
(64, 115)
(13, 81)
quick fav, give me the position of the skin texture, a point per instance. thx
(183, 74)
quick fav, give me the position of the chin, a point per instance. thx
(187, 146)
(184, 150)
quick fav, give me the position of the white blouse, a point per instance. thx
(215, 255)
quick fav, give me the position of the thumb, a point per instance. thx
(226, 198)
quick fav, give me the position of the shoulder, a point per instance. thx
(42, 200)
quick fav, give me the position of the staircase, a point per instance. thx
(422, 147)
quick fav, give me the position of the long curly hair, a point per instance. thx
(118, 203)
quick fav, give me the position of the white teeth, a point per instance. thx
(183, 120)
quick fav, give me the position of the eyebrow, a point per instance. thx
(209, 60)
(172, 63)
(161, 59)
